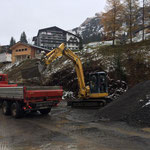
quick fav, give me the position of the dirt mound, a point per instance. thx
(132, 107)
(15, 72)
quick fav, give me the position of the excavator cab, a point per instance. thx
(98, 82)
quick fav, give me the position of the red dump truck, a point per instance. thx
(17, 100)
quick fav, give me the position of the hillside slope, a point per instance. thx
(130, 63)
(90, 30)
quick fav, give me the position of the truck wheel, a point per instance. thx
(16, 111)
(45, 111)
(6, 108)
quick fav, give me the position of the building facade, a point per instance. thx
(5, 58)
(5, 54)
(22, 51)
(51, 38)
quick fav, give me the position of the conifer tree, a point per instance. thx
(12, 41)
(23, 38)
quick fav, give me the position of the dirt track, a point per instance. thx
(69, 129)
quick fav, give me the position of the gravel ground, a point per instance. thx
(70, 129)
(132, 107)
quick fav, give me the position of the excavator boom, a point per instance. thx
(84, 90)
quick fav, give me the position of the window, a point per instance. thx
(1, 78)
(22, 49)
(16, 50)
(38, 51)
(25, 49)
(19, 50)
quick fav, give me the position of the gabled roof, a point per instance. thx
(55, 27)
(141, 28)
(29, 45)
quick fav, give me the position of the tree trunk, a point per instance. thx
(143, 37)
(130, 28)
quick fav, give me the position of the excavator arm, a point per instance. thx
(84, 90)
(54, 54)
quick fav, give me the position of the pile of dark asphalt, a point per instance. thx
(132, 107)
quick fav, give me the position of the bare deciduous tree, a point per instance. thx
(131, 8)
(145, 16)
(111, 20)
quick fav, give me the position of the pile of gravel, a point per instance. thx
(132, 107)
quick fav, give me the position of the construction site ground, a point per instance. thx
(66, 128)
(124, 124)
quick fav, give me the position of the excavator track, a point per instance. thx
(90, 103)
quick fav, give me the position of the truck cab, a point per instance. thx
(4, 81)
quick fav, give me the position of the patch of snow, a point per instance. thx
(65, 62)
(141, 100)
(67, 94)
(89, 50)
(148, 103)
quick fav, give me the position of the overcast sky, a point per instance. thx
(17, 16)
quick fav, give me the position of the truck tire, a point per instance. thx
(16, 110)
(6, 108)
(45, 111)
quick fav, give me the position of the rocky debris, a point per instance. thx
(132, 107)
(15, 72)
(116, 88)
(67, 78)
(26, 73)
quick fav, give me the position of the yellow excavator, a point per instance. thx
(94, 95)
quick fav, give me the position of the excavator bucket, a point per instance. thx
(46, 59)
(34, 70)
(41, 67)
(31, 72)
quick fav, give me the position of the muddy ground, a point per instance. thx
(66, 128)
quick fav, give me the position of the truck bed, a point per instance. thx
(11, 93)
(33, 93)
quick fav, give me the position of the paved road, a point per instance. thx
(69, 129)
